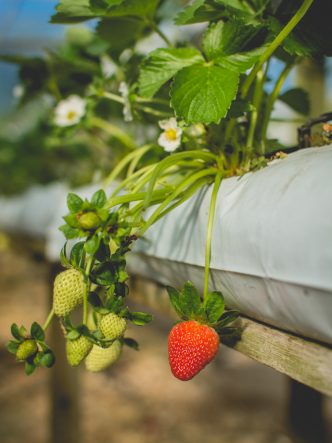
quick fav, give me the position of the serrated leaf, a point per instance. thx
(174, 296)
(74, 202)
(91, 246)
(29, 368)
(120, 32)
(140, 318)
(203, 93)
(238, 6)
(240, 62)
(72, 11)
(15, 331)
(99, 199)
(297, 99)
(190, 300)
(47, 359)
(131, 343)
(162, 64)
(37, 331)
(133, 8)
(12, 346)
(198, 11)
(214, 306)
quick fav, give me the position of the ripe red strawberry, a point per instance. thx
(191, 346)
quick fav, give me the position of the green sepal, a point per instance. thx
(16, 332)
(63, 257)
(29, 368)
(131, 343)
(74, 202)
(71, 220)
(77, 255)
(37, 332)
(98, 199)
(94, 300)
(47, 359)
(91, 246)
(214, 306)
(190, 300)
(174, 296)
(73, 334)
(226, 318)
(140, 318)
(12, 346)
(70, 232)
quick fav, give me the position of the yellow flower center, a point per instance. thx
(71, 115)
(171, 134)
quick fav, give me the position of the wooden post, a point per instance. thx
(64, 383)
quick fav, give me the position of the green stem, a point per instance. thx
(283, 34)
(258, 93)
(48, 320)
(114, 131)
(88, 267)
(138, 196)
(170, 161)
(179, 189)
(132, 178)
(152, 111)
(123, 163)
(272, 99)
(113, 97)
(213, 201)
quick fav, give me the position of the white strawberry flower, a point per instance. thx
(69, 111)
(170, 139)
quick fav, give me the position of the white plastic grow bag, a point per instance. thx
(272, 244)
(272, 240)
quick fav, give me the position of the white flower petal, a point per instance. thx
(167, 144)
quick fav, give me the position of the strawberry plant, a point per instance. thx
(183, 116)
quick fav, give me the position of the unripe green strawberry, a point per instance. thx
(88, 220)
(100, 358)
(26, 349)
(68, 291)
(112, 326)
(77, 350)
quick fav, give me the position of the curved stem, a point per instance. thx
(258, 93)
(132, 178)
(272, 98)
(213, 201)
(179, 189)
(138, 196)
(49, 319)
(275, 44)
(114, 131)
(87, 288)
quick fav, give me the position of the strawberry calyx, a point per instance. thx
(209, 311)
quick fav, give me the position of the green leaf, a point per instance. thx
(12, 346)
(214, 306)
(104, 274)
(91, 246)
(240, 62)
(239, 107)
(37, 331)
(69, 232)
(239, 7)
(94, 300)
(74, 202)
(162, 64)
(99, 199)
(174, 296)
(29, 368)
(203, 93)
(140, 318)
(297, 99)
(131, 343)
(72, 11)
(48, 359)
(190, 300)
(133, 8)
(198, 11)
(77, 254)
(15, 331)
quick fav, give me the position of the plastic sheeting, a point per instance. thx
(272, 240)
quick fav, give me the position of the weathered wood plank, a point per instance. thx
(303, 360)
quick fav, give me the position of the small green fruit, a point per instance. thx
(77, 350)
(112, 326)
(26, 350)
(101, 358)
(68, 291)
(89, 220)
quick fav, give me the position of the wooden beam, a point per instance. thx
(303, 360)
